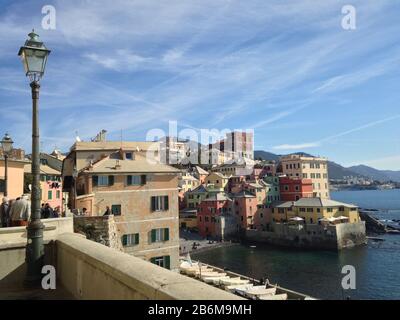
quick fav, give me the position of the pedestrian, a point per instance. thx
(108, 211)
(47, 211)
(84, 211)
(20, 212)
(56, 212)
(4, 211)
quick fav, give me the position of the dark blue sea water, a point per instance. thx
(318, 273)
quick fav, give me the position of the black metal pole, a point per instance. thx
(35, 248)
(5, 174)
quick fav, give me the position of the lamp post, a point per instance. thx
(6, 145)
(34, 57)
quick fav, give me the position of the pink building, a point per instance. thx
(209, 209)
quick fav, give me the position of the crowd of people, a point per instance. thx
(16, 213)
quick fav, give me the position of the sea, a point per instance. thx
(319, 273)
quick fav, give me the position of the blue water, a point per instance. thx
(318, 273)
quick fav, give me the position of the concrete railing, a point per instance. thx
(89, 270)
(52, 227)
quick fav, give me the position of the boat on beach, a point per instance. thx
(237, 284)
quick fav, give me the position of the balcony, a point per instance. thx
(89, 270)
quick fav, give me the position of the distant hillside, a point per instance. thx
(336, 171)
(372, 173)
(264, 155)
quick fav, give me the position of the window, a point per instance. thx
(116, 209)
(159, 203)
(297, 188)
(128, 155)
(58, 194)
(302, 209)
(135, 180)
(158, 235)
(341, 209)
(330, 210)
(163, 261)
(129, 240)
(2, 185)
(102, 181)
(49, 194)
(309, 209)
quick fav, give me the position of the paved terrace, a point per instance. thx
(89, 270)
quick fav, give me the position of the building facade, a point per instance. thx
(142, 195)
(315, 210)
(314, 168)
(293, 189)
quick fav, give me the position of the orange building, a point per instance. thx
(293, 189)
(15, 180)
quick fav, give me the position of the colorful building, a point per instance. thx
(194, 197)
(15, 179)
(293, 189)
(245, 209)
(305, 167)
(315, 210)
(209, 209)
(272, 192)
(216, 182)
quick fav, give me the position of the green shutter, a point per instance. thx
(136, 238)
(153, 260)
(110, 180)
(143, 179)
(167, 260)
(128, 180)
(124, 240)
(165, 202)
(153, 235)
(166, 234)
(153, 203)
(95, 181)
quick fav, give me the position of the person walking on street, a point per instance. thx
(4, 212)
(108, 211)
(20, 212)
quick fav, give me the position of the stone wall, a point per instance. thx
(89, 270)
(334, 237)
(101, 229)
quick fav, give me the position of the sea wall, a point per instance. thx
(311, 236)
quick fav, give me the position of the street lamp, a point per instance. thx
(34, 57)
(6, 145)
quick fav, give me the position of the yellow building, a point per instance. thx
(312, 168)
(216, 181)
(312, 210)
(194, 197)
(187, 182)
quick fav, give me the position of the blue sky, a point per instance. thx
(286, 69)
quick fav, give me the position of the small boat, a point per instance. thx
(210, 274)
(257, 291)
(213, 280)
(282, 296)
(233, 281)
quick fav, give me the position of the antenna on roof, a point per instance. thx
(121, 138)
